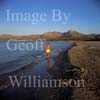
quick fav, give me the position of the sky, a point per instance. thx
(81, 15)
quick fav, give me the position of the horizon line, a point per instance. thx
(25, 34)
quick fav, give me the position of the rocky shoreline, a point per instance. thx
(87, 55)
(82, 55)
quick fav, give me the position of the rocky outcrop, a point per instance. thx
(72, 33)
(52, 35)
(87, 55)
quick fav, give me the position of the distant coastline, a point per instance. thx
(54, 36)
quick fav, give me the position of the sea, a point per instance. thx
(17, 54)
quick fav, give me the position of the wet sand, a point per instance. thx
(52, 68)
(21, 93)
